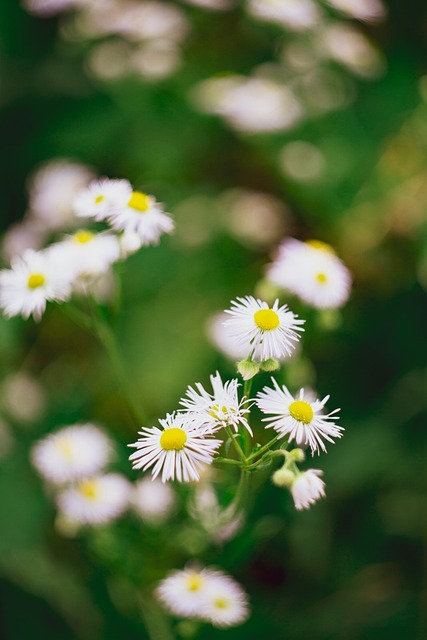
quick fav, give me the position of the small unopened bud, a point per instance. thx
(283, 477)
(270, 365)
(297, 454)
(247, 369)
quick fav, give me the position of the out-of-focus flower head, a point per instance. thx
(295, 15)
(153, 500)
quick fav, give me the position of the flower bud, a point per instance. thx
(283, 477)
(297, 454)
(270, 365)
(247, 369)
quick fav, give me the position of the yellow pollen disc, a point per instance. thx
(194, 582)
(220, 603)
(173, 439)
(139, 201)
(36, 280)
(89, 489)
(322, 278)
(99, 199)
(66, 448)
(321, 246)
(266, 319)
(83, 236)
(301, 410)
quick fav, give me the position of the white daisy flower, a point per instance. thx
(180, 449)
(95, 500)
(204, 594)
(143, 215)
(265, 332)
(72, 453)
(307, 488)
(226, 603)
(52, 190)
(30, 283)
(313, 272)
(300, 418)
(222, 408)
(86, 254)
(101, 197)
(153, 501)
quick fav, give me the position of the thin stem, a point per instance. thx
(236, 444)
(240, 496)
(263, 449)
(156, 623)
(227, 461)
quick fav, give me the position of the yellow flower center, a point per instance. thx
(322, 278)
(36, 280)
(89, 489)
(216, 410)
(65, 447)
(266, 319)
(321, 246)
(194, 582)
(220, 603)
(83, 236)
(301, 410)
(139, 201)
(99, 199)
(173, 439)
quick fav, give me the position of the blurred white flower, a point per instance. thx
(307, 488)
(219, 409)
(265, 332)
(96, 500)
(52, 190)
(32, 281)
(256, 219)
(313, 272)
(300, 418)
(141, 214)
(366, 10)
(148, 20)
(46, 8)
(216, 5)
(23, 385)
(351, 48)
(153, 500)
(253, 105)
(205, 594)
(85, 254)
(110, 60)
(222, 340)
(180, 449)
(71, 453)
(156, 59)
(296, 15)
(28, 234)
(302, 161)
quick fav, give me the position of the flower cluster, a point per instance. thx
(204, 594)
(82, 260)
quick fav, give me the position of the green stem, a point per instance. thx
(156, 623)
(263, 449)
(240, 497)
(236, 444)
(227, 461)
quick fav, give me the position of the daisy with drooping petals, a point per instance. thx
(72, 453)
(204, 594)
(313, 272)
(179, 450)
(221, 408)
(143, 215)
(307, 488)
(30, 283)
(299, 418)
(95, 500)
(265, 332)
(86, 254)
(101, 197)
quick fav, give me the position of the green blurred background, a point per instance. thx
(354, 567)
